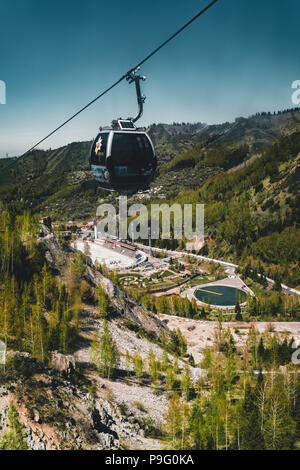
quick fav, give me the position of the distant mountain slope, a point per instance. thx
(59, 182)
(216, 148)
(37, 163)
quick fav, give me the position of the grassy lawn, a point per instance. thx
(162, 274)
(198, 281)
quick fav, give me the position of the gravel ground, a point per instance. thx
(200, 334)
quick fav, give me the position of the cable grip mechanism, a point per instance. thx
(133, 77)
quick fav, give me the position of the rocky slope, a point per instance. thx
(67, 405)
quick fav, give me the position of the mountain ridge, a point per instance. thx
(59, 183)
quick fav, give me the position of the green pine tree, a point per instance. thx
(14, 439)
(104, 352)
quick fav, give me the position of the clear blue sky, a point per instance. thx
(239, 58)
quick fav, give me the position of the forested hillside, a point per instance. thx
(92, 366)
(89, 368)
(29, 289)
(214, 149)
(252, 214)
(239, 411)
(58, 182)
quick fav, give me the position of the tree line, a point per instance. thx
(244, 401)
(38, 312)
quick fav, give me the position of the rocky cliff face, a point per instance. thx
(57, 414)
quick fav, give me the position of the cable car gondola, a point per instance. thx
(123, 156)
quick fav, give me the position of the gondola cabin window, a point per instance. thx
(99, 149)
